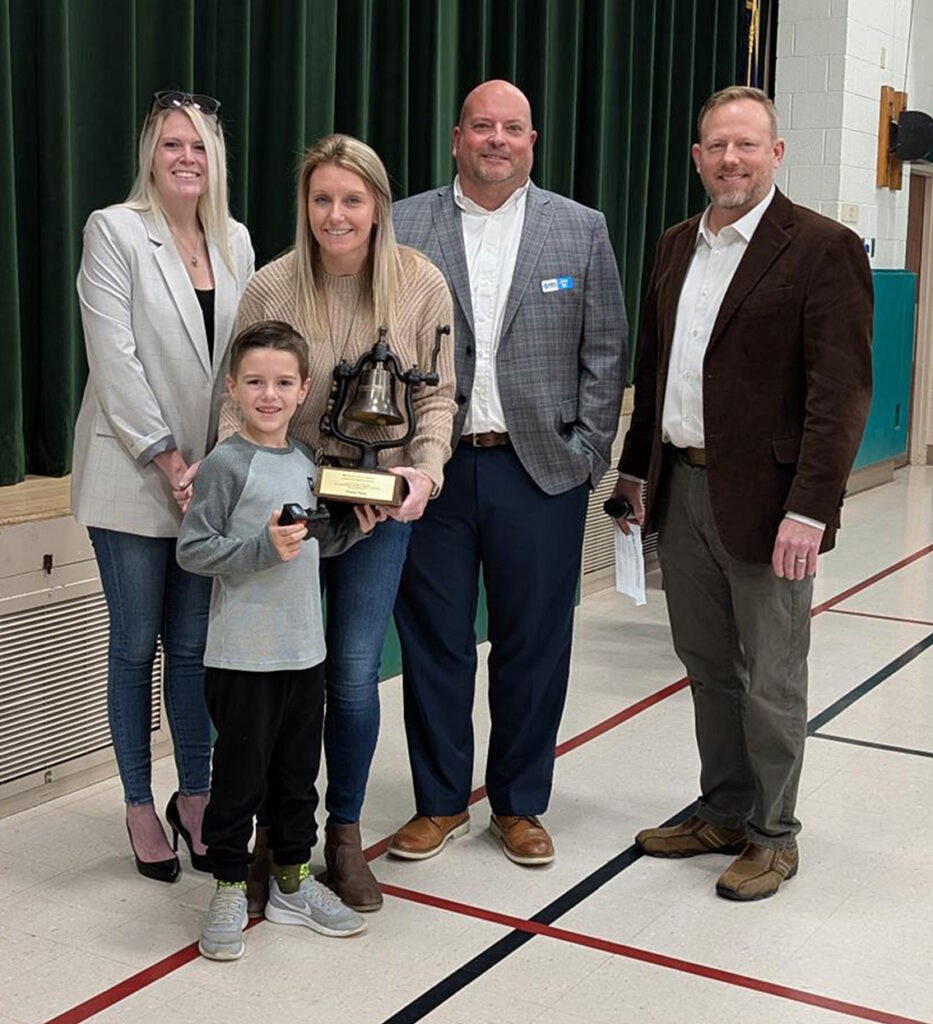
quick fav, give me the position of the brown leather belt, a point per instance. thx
(693, 456)
(488, 440)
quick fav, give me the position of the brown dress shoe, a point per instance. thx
(689, 838)
(524, 839)
(348, 874)
(257, 882)
(758, 872)
(426, 835)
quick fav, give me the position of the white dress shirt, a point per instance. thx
(490, 240)
(715, 260)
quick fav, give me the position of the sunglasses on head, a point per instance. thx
(172, 99)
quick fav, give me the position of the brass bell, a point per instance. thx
(375, 398)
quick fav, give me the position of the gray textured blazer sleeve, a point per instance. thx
(603, 355)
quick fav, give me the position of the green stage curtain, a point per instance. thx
(614, 87)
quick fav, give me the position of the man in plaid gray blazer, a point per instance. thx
(540, 336)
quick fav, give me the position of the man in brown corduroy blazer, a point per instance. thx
(751, 394)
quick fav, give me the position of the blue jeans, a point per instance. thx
(360, 586)
(148, 596)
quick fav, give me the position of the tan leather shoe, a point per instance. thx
(426, 835)
(758, 872)
(690, 838)
(524, 839)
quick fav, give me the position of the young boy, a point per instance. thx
(264, 682)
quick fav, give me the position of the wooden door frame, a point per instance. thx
(920, 452)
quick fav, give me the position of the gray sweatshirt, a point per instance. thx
(265, 613)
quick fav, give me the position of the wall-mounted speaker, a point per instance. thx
(911, 136)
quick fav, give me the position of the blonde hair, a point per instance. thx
(384, 260)
(732, 94)
(213, 211)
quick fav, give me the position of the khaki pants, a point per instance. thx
(743, 635)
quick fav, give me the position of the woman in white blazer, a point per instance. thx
(161, 275)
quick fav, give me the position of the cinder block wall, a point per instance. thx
(833, 58)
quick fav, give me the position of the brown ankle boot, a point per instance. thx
(348, 874)
(257, 883)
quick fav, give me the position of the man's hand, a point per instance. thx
(368, 515)
(286, 539)
(420, 486)
(630, 490)
(795, 550)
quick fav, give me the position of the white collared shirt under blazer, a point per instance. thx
(150, 372)
(715, 261)
(490, 241)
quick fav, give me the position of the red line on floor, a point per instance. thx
(859, 587)
(885, 618)
(380, 847)
(649, 957)
(623, 716)
(129, 986)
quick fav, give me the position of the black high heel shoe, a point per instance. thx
(160, 870)
(199, 861)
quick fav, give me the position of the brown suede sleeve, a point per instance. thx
(837, 325)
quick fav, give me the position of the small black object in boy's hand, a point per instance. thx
(292, 513)
(618, 508)
(316, 520)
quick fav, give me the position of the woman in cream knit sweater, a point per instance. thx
(346, 276)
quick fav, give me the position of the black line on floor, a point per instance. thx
(848, 699)
(874, 746)
(458, 979)
(467, 973)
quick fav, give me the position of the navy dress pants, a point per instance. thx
(490, 514)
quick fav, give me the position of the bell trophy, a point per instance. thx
(377, 372)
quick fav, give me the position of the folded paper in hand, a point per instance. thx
(630, 564)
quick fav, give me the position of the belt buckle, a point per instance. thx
(696, 457)
(474, 441)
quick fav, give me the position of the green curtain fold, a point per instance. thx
(614, 86)
(12, 439)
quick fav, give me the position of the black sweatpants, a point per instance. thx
(268, 750)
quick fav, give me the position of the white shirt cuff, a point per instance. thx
(815, 523)
(634, 479)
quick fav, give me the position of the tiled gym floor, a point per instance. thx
(600, 935)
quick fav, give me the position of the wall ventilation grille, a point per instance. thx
(53, 685)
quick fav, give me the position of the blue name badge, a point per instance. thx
(557, 284)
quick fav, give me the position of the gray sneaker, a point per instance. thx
(222, 934)
(314, 906)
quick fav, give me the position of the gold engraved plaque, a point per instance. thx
(360, 486)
